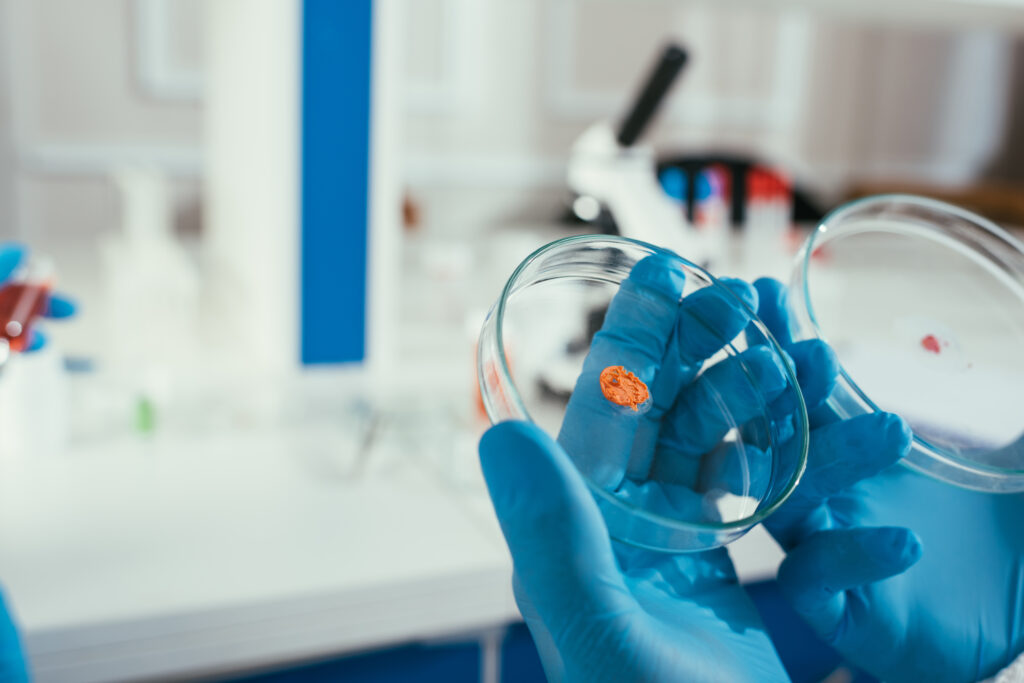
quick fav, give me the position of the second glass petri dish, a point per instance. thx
(923, 303)
(668, 394)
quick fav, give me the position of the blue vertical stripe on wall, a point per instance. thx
(336, 59)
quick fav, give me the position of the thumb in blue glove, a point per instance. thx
(561, 548)
(603, 612)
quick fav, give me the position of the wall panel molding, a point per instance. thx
(159, 75)
(568, 100)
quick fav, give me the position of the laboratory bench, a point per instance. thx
(184, 557)
(287, 528)
(171, 557)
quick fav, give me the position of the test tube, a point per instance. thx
(23, 299)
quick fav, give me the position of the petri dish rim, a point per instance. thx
(505, 375)
(830, 222)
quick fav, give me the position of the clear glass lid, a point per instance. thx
(668, 394)
(923, 303)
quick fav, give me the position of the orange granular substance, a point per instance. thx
(622, 387)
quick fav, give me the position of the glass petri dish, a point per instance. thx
(718, 442)
(923, 303)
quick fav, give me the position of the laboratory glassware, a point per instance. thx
(923, 303)
(753, 452)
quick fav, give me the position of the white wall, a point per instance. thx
(830, 98)
(495, 91)
(80, 100)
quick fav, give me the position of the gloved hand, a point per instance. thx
(857, 524)
(12, 661)
(58, 306)
(599, 610)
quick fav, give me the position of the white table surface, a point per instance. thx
(258, 543)
(191, 557)
(129, 561)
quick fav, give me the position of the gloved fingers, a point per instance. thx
(37, 340)
(710, 318)
(59, 306)
(668, 500)
(726, 396)
(727, 486)
(817, 369)
(821, 416)
(816, 365)
(559, 544)
(673, 467)
(640, 319)
(843, 453)
(817, 573)
(637, 329)
(736, 468)
(773, 309)
(11, 256)
(840, 455)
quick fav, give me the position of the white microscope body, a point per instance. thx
(625, 181)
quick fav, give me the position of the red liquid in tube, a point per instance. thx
(20, 304)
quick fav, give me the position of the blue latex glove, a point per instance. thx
(955, 615)
(598, 610)
(58, 306)
(12, 661)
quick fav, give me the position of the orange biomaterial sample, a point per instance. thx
(622, 387)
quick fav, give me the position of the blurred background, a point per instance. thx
(253, 451)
